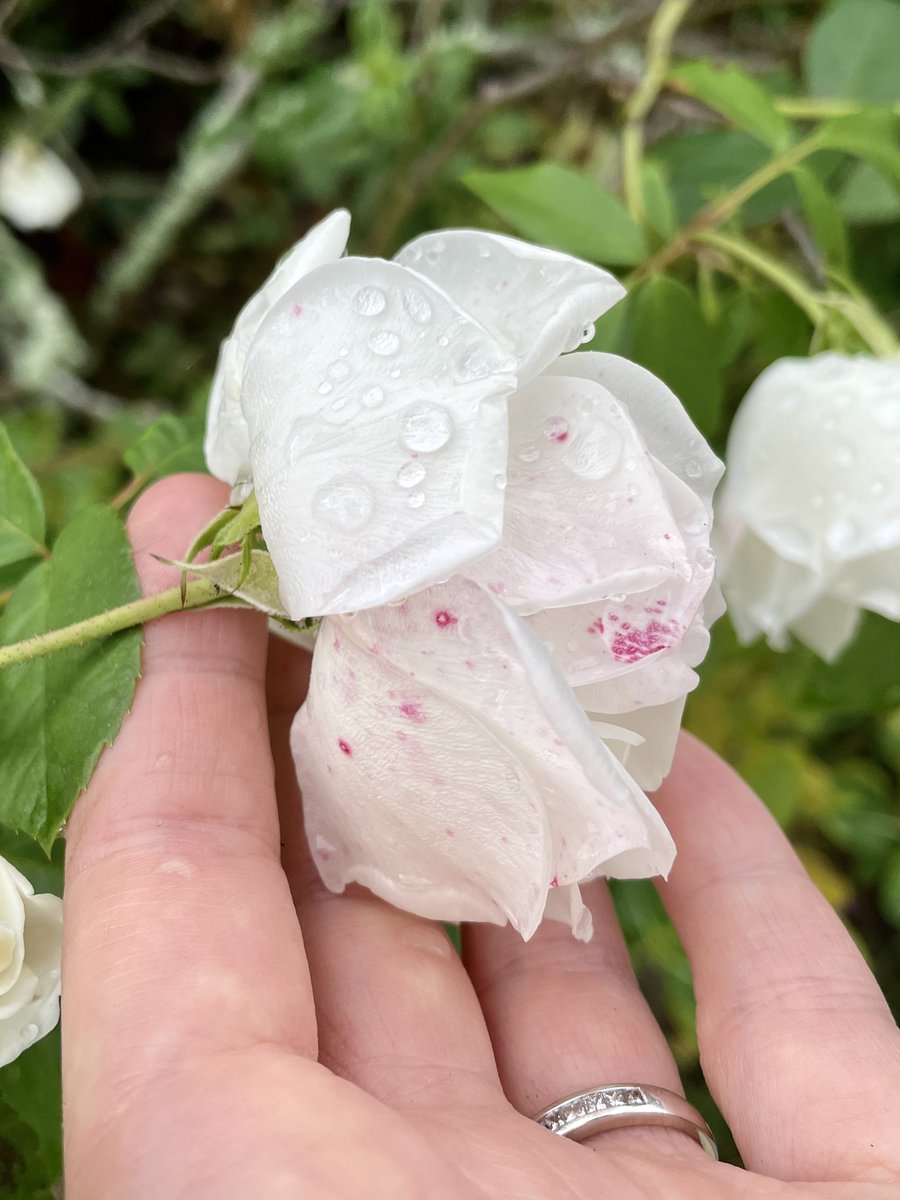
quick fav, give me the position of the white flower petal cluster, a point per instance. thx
(37, 189)
(808, 520)
(30, 948)
(509, 545)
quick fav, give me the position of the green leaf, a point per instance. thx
(867, 198)
(46, 874)
(21, 508)
(851, 53)
(738, 97)
(166, 447)
(258, 585)
(824, 217)
(60, 711)
(559, 207)
(31, 1087)
(864, 678)
(667, 333)
(658, 200)
(704, 164)
(871, 136)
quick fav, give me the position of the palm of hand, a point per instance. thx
(215, 1047)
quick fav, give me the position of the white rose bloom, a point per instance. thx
(37, 189)
(808, 521)
(30, 947)
(522, 537)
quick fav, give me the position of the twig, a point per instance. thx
(79, 396)
(125, 35)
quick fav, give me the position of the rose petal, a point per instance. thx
(813, 458)
(541, 301)
(666, 429)
(588, 512)
(649, 760)
(827, 626)
(765, 592)
(872, 582)
(227, 443)
(447, 766)
(378, 414)
(12, 924)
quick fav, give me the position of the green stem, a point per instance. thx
(726, 206)
(769, 268)
(195, 594)
(659, 48)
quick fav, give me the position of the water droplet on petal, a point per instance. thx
(483, 251)
(417, 306)
(595, 452)
(415, 499)
(344, 503)
(588, 332)
(500, 482)
(372, 397)
(325, 387)
(369, 301)
(384, 342)
(338, 370)
(692, 469)
(410, 474)
(443, 340)
(425, 428)
(29, 1033)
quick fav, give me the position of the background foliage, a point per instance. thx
(745, 185)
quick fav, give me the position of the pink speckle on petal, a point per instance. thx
(556, 429)
(449, 833)
(297, 310)
(444, 618)
(554, 882)
(597, 626)
(635, 644)
(413, 710)
(345, 747)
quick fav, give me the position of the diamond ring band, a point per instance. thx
(617, 1105)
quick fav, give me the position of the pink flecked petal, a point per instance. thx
(589, 513)
(542, 302)
(447, 765)
(665, 427)
(379, 436)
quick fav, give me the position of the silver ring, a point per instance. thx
(618, 1105)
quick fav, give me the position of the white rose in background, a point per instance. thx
(808, 521)
(37, 189)
(508, 522)
(30, 947)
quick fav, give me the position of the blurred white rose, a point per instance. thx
(808, 520)
(502, 537)
(30, 947)
(37, 189)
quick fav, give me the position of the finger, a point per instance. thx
(565, 1016)
(797, 1043)
(397, 1012)
(181, 937)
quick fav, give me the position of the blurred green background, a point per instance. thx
(743, 180)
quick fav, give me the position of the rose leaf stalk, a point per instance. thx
(659, 44)
(196, 593)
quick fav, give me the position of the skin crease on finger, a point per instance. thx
(179, 1089)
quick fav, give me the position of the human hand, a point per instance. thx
(231, 1028)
